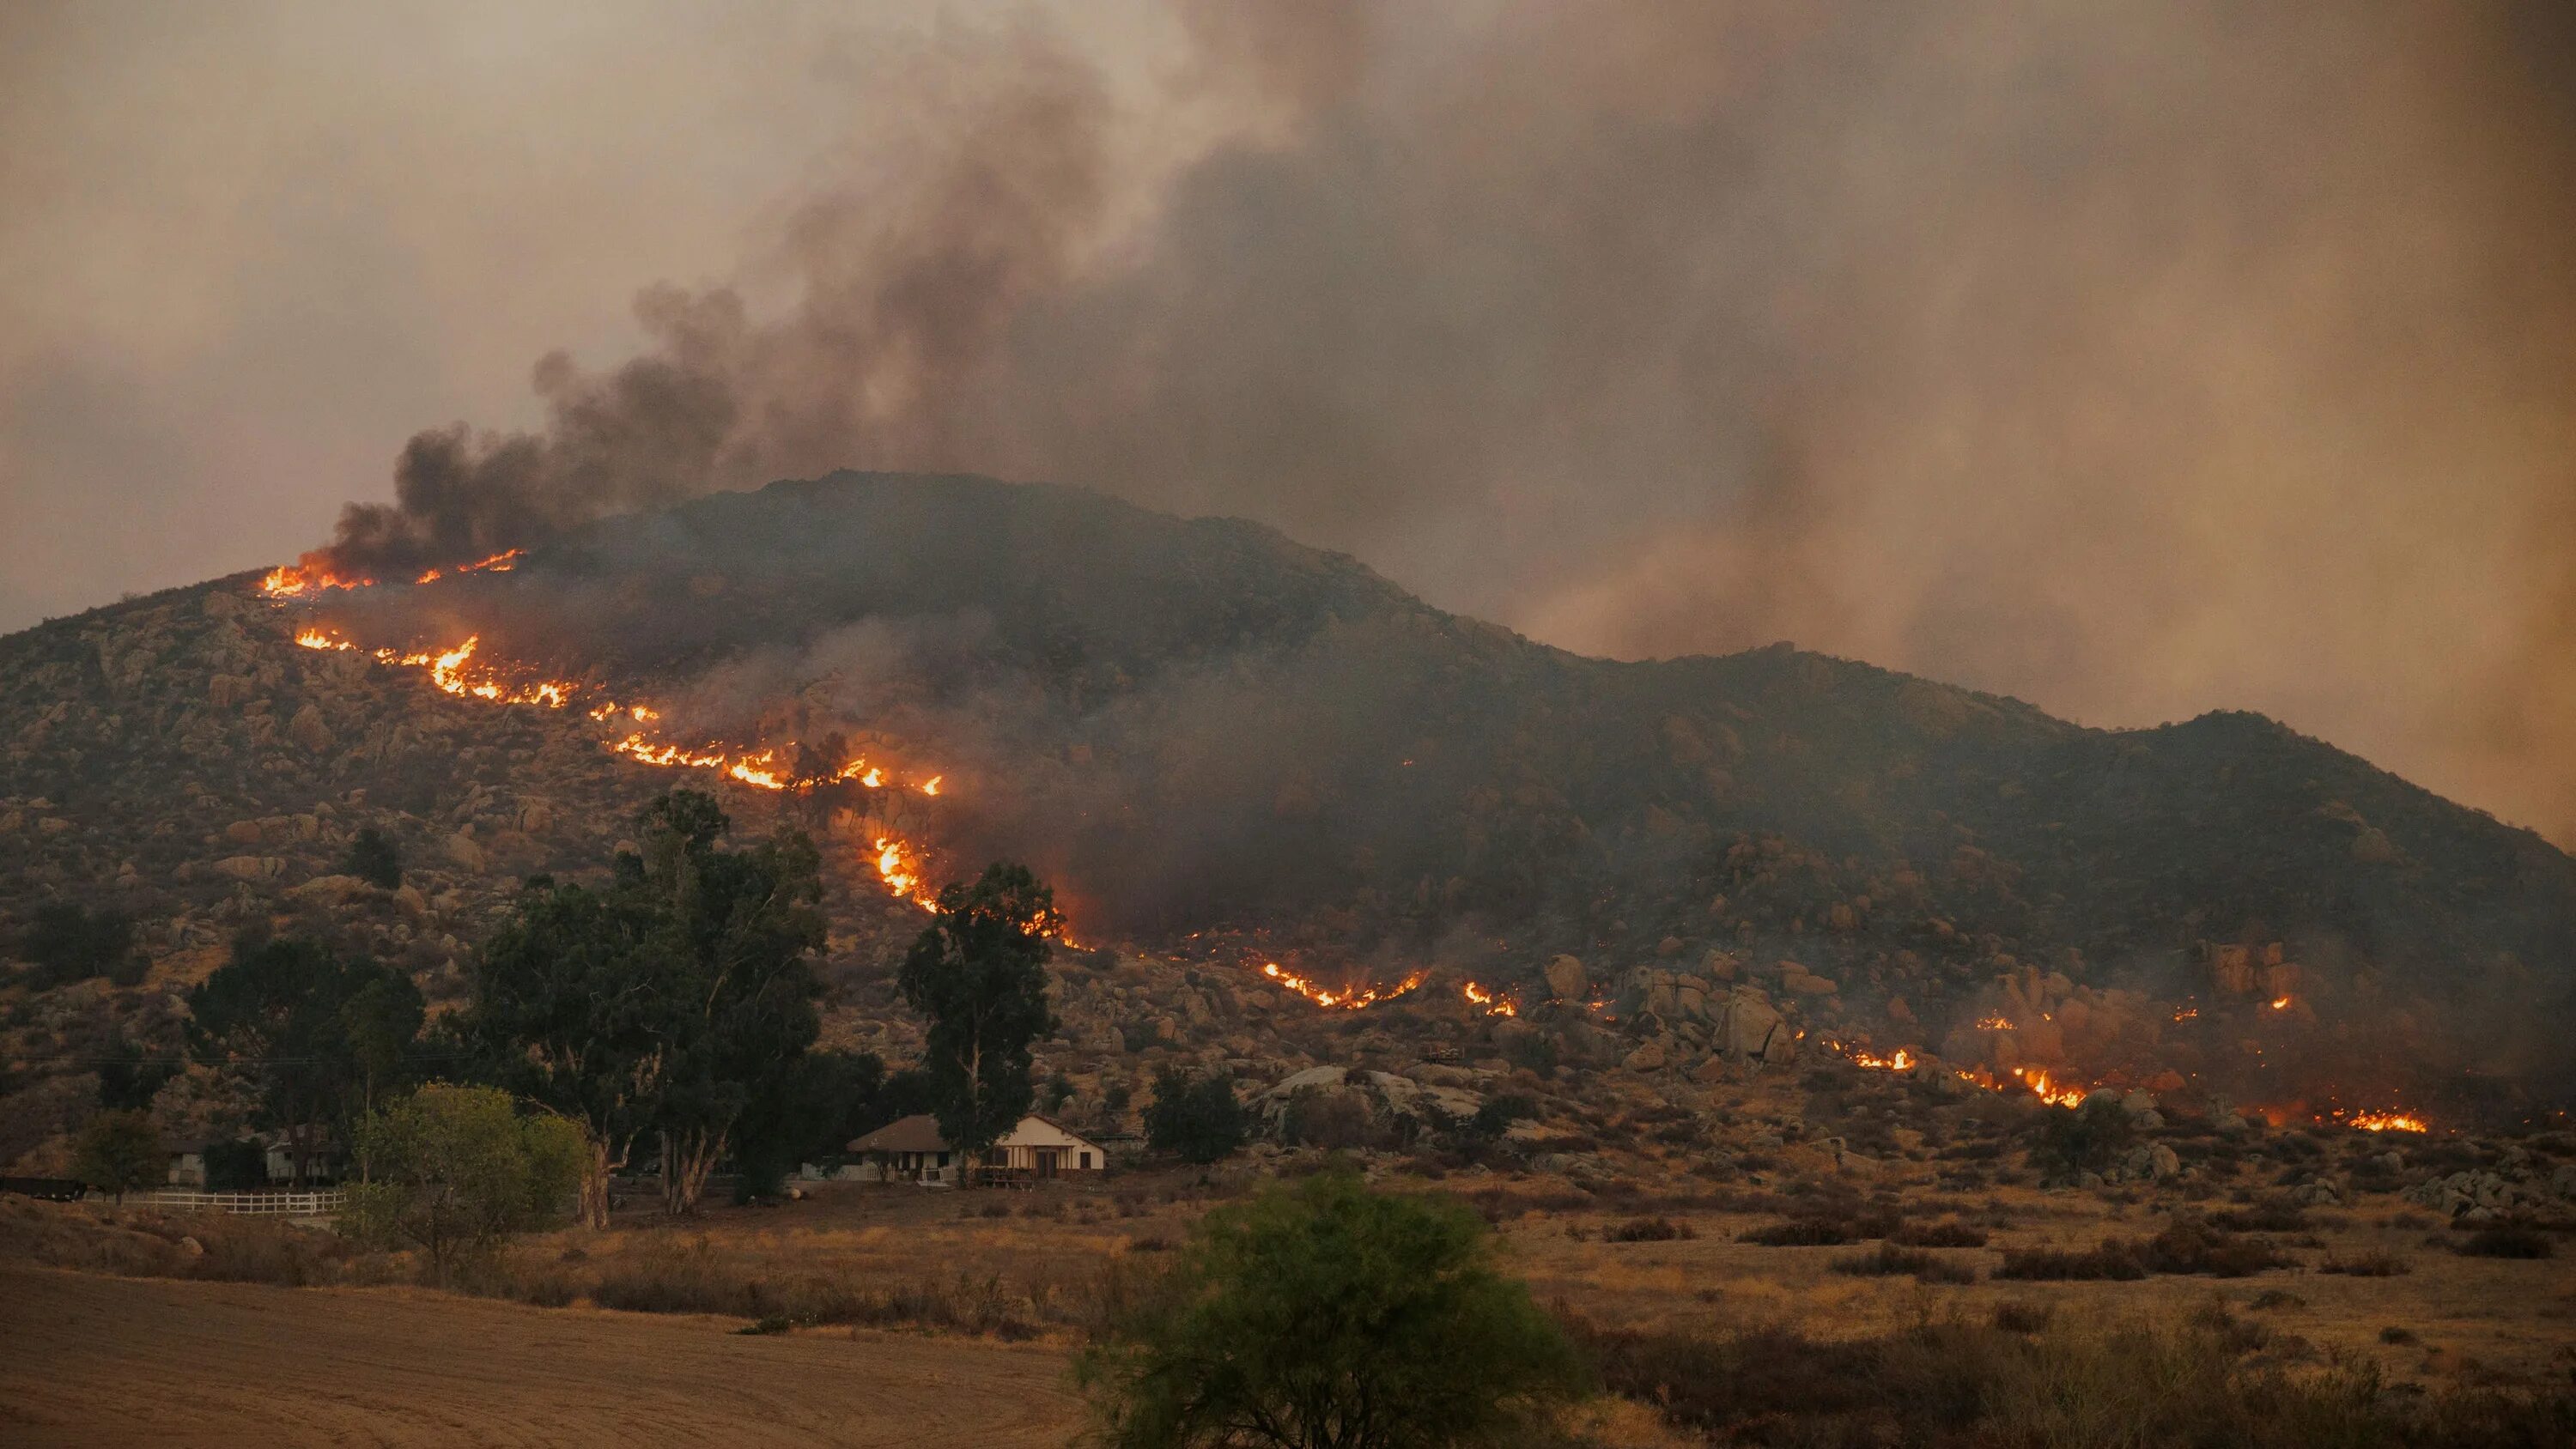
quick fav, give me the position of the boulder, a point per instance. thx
(467, 855)
(309, 729)
(1749, 1028)
(327, 889)
(250, 867)
(1648, 1057)
(1566, 978)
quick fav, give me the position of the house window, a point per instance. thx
(943, 1159)
(1086, 1159)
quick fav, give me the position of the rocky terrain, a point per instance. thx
(1232, 752)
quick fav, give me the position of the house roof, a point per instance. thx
(920, 1133)
(916, 1133)
(1082, 1138)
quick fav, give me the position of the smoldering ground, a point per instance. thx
(2134, 361)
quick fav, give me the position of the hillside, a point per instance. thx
(1227, 747)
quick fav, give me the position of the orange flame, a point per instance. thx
(288, 581)
(2049, 1089)
(2280, 1003)
(2378, 1121)
(1993, 1023)
(1494, 1005)
(1901, 1061)
(454, 671)
(1344, 1000)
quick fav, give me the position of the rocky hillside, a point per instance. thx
(1228, 748)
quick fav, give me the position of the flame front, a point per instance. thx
(1344, 1000)
(455, 671)
(1493, 1005)
(2049, 1089)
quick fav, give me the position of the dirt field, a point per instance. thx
(95, 1360)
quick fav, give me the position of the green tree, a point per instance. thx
(749, 922)
(671, 1002)
(128, 1080)
(1321, 1315)
(70, 944)
(572, 996)
(828, 1099)
(278, 1012)
(978, 972)
(457, 1169)
(1195, 1118)
(374, 858)
(119, 1152)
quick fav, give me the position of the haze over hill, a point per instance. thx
(1205, 731)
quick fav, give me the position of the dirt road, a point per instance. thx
(95, 1360)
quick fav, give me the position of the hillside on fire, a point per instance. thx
(1258, 763)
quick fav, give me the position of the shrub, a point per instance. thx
(2506, 1241)
(2112, 1261)
(1948, 1234)
(1648, 1230)
(2276, 1215)
(70, 944)
(1322, 1312)
(1807, 1232)
(1888, 1260)
(2398, 1336)
(374, 858)
(2022, 1316)
(2190, 1247)
(2377, 1263)
(2089, 1138)
(455, 1169)
(1196, 1119)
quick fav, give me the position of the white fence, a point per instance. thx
(278, 1204)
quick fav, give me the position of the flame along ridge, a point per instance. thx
(295, 580)
(455, 671)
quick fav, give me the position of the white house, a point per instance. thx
(911, 1150)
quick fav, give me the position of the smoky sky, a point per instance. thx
(2134, 359)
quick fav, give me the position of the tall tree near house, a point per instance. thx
(668, 1003)
(978, 972)
(382, 1019)
(277, 1012)
(748, 922)
(573, 998)
(119, 1152)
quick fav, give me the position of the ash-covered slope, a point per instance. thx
(1201, 726)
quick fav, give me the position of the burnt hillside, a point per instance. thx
(1200, 726)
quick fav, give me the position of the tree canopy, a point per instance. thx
(119, 1152)
(455, 1168)
(280, 1011)
(978, 972)
(671, 1002)
(1322, 1315)
(1195, 1118)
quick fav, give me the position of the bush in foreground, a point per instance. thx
(455, 1169)
(1321, 1313)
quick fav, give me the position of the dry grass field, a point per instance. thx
(943, 1317)
(95, 1360)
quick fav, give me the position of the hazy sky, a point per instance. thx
(2134, 359)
